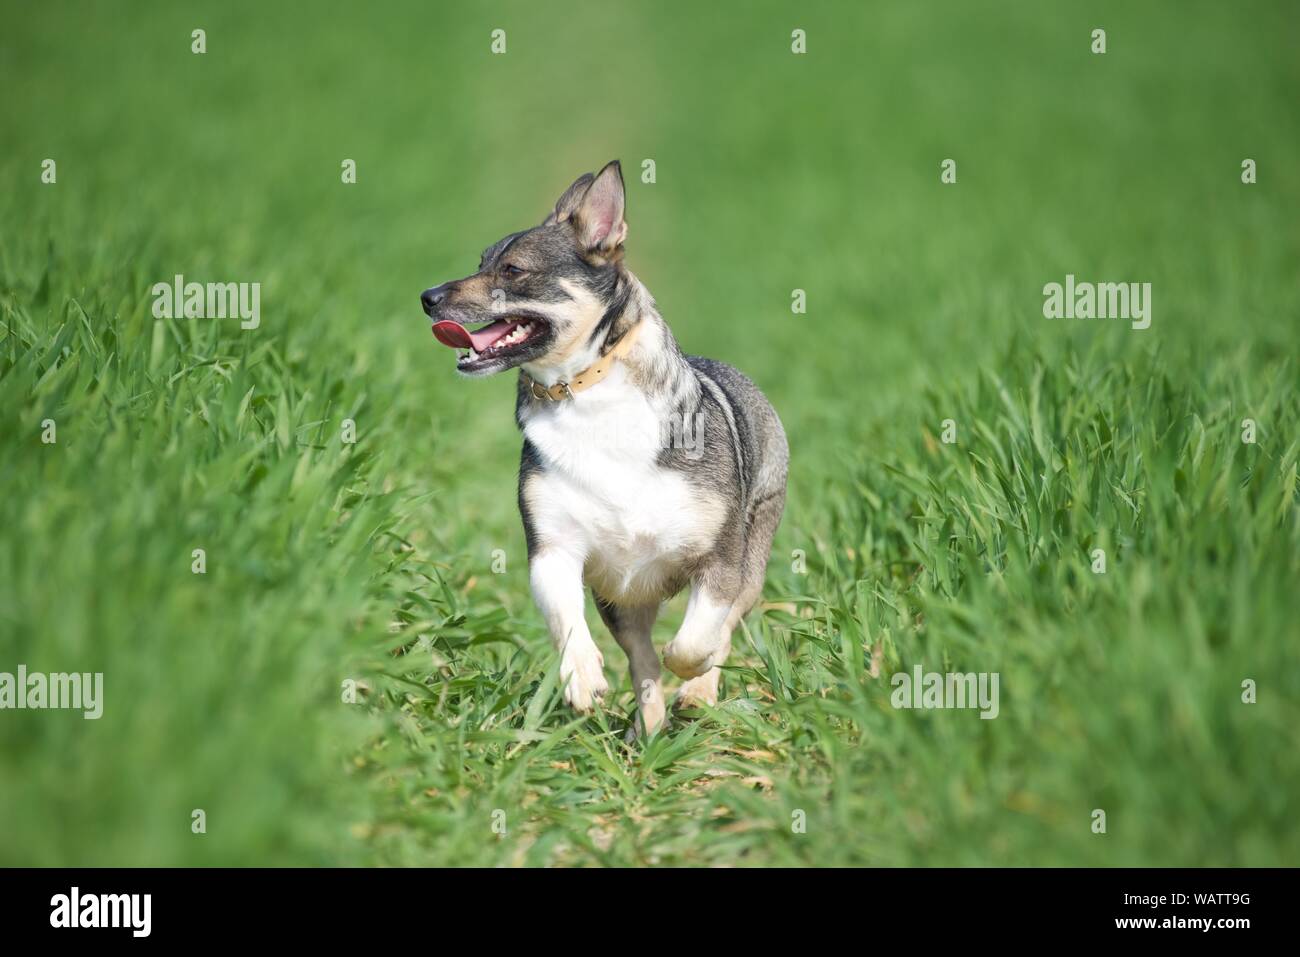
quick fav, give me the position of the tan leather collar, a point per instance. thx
(589, 376)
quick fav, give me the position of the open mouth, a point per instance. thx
(497, 340)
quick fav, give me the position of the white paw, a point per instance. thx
(686, 660)
(698, 691)
(584, 679)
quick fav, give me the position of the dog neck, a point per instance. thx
(588, 377)
(631, 333)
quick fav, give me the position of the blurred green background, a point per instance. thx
(328, 561)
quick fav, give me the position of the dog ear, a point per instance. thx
(599, 216)
(566, 204)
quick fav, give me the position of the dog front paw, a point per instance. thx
(583, 676)
(686, 661)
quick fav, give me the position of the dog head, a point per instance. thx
(549, 294)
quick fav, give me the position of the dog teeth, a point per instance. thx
(517, 333)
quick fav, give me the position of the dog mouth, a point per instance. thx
(501, 339)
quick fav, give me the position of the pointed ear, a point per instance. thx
(566, 204)
(599, 217)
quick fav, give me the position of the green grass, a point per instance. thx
(374, 561)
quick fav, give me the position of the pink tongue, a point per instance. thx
(458, 337)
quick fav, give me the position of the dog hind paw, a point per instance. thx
(702, 690)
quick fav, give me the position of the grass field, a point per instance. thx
(380, 561)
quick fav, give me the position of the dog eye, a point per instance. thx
(510, 269)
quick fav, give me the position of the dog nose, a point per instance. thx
(431, 299)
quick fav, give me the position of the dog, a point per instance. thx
(643, 470)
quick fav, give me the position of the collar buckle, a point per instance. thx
(540, 391)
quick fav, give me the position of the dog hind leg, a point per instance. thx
(765, 518)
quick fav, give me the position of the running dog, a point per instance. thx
(643, 470)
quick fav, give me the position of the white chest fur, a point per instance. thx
(602, 497)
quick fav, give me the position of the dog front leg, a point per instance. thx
(556, 580)
(631, 628)
(704, 637)
(703, 689)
